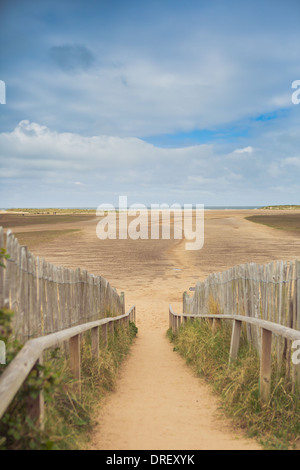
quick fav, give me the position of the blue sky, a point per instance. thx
(162, 101)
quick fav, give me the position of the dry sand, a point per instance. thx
(159, 404)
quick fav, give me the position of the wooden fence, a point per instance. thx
(48, 298)
(32, 353)
(268, 292)
(267, 330)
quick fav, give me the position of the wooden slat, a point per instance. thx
(8, 272)
(55, 305)
(95, 342)
(265, 365)
(235, 340)
(31, 298)
(61, 296)
(66, 285)
(14, 287)
(1, 270)
(75, 365)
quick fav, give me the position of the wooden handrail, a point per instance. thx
(267, 329)
(16, 373)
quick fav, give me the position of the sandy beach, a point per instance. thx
(158, 403)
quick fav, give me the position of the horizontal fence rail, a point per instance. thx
(32, 353)
(46, 298)
(267, 329)
(269, 292)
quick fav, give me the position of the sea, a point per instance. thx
(210, 208)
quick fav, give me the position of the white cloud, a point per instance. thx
(31, 147)
(247, 150)
(69, 166)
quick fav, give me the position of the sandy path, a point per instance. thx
(158, 403)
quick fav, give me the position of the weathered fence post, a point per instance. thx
(265, 365)
(104, 334)
(35, 406)
(122, 300)
(184, 302)
(216, 325)
(173, 324)
(75, 365)
(235, 340)
(95, 342)
(132, 315)
(111, 328)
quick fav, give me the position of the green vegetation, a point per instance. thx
(287, 207)
(68, 419)
(275, 425)
(37, 237)
(287, 222)
(53, 210)
(3, 256)
(17, 220)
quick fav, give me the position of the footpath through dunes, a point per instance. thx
(159, 403)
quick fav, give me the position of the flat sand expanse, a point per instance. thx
(159, 404)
